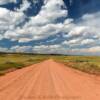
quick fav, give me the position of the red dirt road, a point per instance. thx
(49, 80)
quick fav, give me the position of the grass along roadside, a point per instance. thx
(88, 64)
(11, 62)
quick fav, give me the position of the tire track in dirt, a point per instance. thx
(49, 80)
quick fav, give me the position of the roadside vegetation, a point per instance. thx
(88, 64)
(11, 62)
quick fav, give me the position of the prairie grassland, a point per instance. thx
(11, 62)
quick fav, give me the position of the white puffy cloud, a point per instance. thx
(92, 22)
(47, 49)
(9, 18)
(59, 49)
(87, 51)
(94, 49)
(8, 22)
(84, 33)
(54, 49)
(79, 42)
(78, 30)
(1, 37)
(6, 1)
(40, 26)
(24, 6)
(49, 13)
(20, 48)
(3, 49)
(26, 35)
(87, 41)
(72, 42)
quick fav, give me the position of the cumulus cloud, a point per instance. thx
(91, 21)
(87, 41)
(3, 49)
(59, 49)
(24, 6)
(41, 26)
(10, 18)
(87, 51)
(48, 49)
(9, 21)
(1, 37)
(21, 49)
(7, 1)
(81, 37)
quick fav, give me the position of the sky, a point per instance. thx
(70, 27)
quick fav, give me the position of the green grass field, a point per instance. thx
(10, 62)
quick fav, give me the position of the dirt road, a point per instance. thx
(49, 80)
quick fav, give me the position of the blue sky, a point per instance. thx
(50, 26)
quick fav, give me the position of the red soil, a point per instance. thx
(49, 80)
